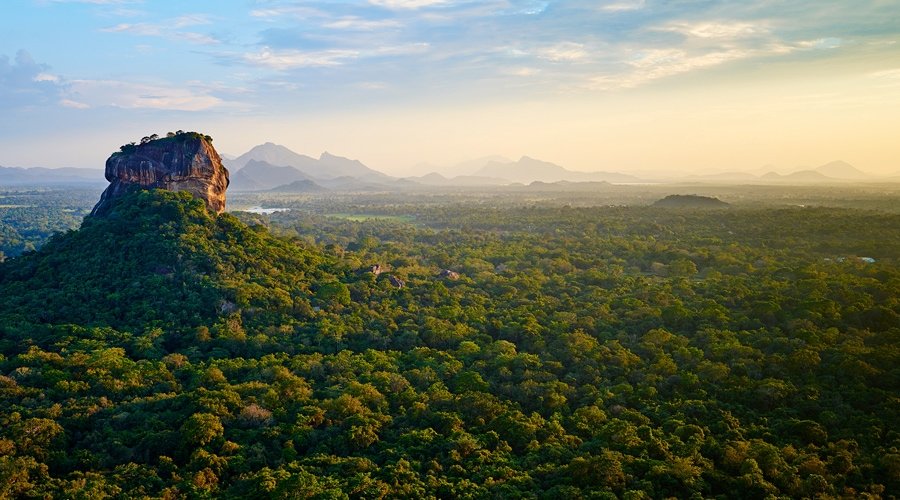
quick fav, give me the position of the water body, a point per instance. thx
(265, 211)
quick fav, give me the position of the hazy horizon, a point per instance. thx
(627, 86)
(472, 166)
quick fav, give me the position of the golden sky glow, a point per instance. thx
(629, 86)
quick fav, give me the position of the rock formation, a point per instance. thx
(185, 161)
(448, 274)
(396, 282)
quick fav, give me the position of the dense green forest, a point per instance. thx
(505, 349)
(29, 217)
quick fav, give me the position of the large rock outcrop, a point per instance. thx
(182, 162)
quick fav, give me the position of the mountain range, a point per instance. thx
(270, 166)
(273, 167)
(41, 176)
(834, 172)
(527, 170)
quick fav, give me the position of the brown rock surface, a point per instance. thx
(184, 162)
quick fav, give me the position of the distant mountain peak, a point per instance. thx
(274, 165)
(528, 169)
(840, 169)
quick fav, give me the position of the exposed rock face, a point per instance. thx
(448, 274)
(184, 162)
(396, 282)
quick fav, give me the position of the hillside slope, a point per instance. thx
(157, 258)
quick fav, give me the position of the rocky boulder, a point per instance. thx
(396, 282)
(448, 274)
(185, 161)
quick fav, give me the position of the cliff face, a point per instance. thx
(185, 162)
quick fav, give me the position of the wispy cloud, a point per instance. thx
(410, 4)
(398, 50)
(191, 20)
(362, 24)
(25, 83)
(172, 29)
(623, 6)
(68, 103)
(196, 38)
(286, 11)
(889, 78)
(888, 74)
(288, 59)
(291, 59)
(644, 65)
(563, 52)
(142, 29)
(521, 71)
(716, 29)
(821, 43)
(83, 94)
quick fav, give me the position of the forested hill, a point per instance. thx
(159, 259)
(690, 201)
(604, 352)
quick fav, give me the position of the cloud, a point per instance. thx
(533, 8)
(361, 24)
(290, 59)
(411, 4)
(888, 78)
(123, 12)
(46, 77)
(522, 71)
(287, 11)
(191, 20)
(196, 38)
(68, 103)
(887, 74)
(83, 94)
(563, 52)
(660, 63)
(654, 63)
(716, 29)
(821, 43)
(397, 50)
(24, 82)
(623, 6)
(141, 29)
(170, 29)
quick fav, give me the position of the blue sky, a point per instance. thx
(626, 85)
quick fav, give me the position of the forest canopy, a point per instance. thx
(629, 352)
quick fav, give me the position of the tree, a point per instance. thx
(201, 429)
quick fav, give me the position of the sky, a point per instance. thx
(407, 86)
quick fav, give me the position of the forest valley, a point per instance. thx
(449, 345)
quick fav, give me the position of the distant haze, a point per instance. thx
(634, 87)
(274, 167)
